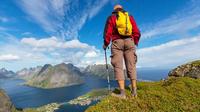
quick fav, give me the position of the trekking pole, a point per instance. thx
(108, 76)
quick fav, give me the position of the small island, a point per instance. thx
(88, 98)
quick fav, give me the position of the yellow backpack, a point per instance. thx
(123, 24)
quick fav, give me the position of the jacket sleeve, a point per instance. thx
(108, 31)
(135, 31)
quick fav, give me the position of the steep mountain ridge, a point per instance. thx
(28, 73)
(56, 76)
(4, 73)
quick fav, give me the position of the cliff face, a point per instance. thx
(56, 76)
(191, 69)
(28, 73)
(5, 103)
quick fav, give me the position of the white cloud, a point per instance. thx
(179, 23)
(9, 57)
(170, 54)
(47, 42)
(96, 8)
(62, 17)
(90, 54)
(32, 52)
(53, 42)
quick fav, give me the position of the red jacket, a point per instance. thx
(111, 32)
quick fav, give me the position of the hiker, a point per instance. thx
(121, 28)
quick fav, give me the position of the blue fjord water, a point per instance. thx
(25, 96)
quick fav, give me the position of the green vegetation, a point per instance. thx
(196, 63)
(46, 108)
(96, 93)
(40, 84)
(172, 95)
(93, 95)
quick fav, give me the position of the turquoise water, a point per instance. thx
(25, 96)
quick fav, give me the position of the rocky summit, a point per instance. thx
(191, 69)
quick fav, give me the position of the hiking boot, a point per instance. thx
(134, 95)
(121, 96)
(134, 92)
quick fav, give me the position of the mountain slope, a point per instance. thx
(56, 76)
(28, 73)
(5, 103)
(175, 94)
(171, 95)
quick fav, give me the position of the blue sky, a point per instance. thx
(36, 32)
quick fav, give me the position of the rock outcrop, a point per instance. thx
(191, 69)
(5, 103)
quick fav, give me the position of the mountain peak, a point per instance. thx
(61, 64)
(6, 73)
(3, 70)
(69, 65)
(59, 75)
(45, 67)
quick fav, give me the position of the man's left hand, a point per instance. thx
(104, 47)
